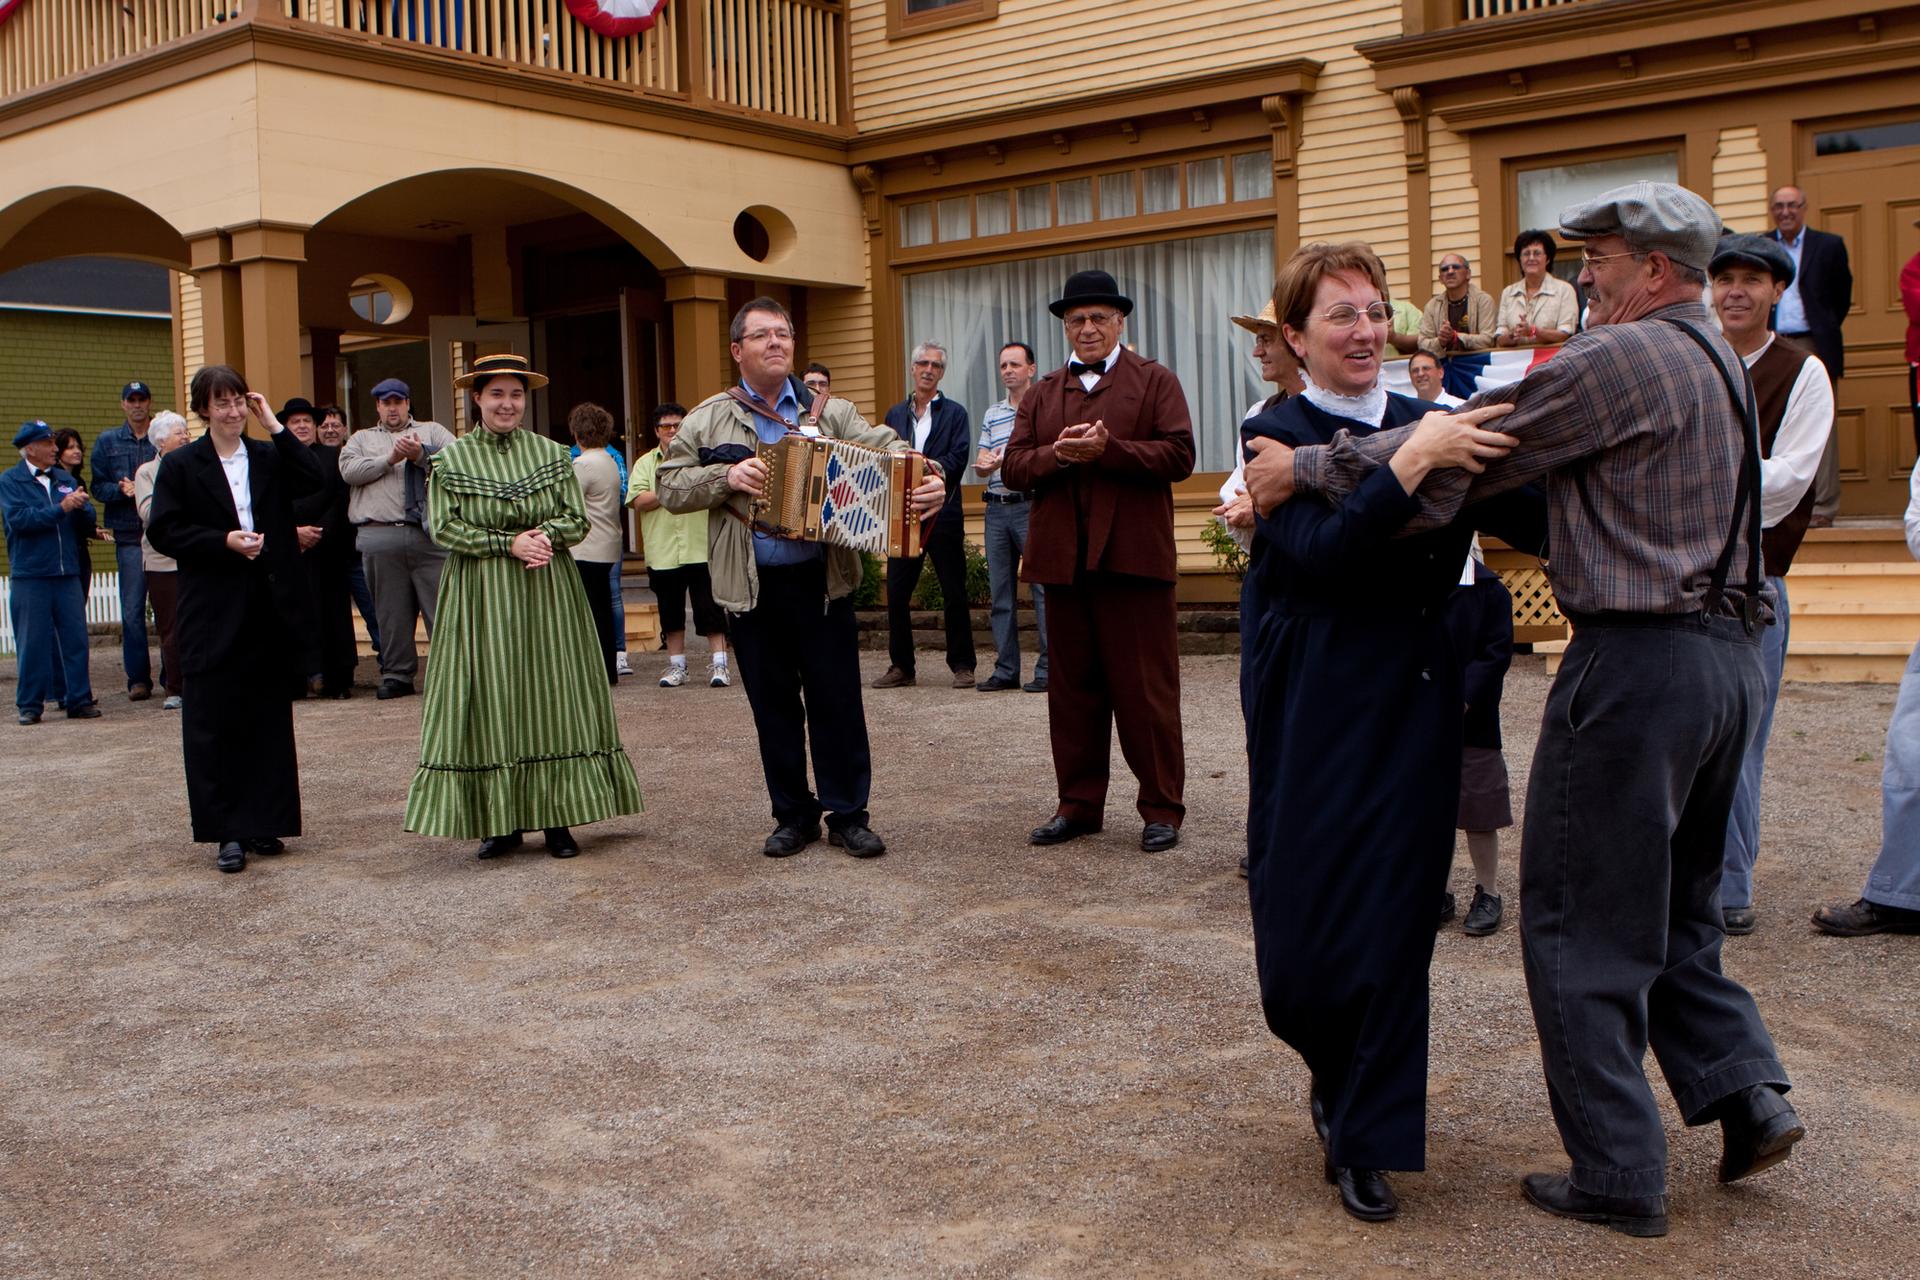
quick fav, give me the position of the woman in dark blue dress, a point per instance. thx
(1355, 708)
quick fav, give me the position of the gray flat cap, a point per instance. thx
(1763, 252)
(1651, 216)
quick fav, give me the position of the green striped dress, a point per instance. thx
(518, 731)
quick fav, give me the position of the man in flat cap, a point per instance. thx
(1795, 402)
(386, 467)
(1640, 427)
(40, 507)
(117, 454)
(1099, 445)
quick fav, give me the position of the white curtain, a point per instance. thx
(1183, 293)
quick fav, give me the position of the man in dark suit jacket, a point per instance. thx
(41, 507)
(1099, 445)
(937, 427)
(1810, 314)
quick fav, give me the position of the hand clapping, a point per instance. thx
(1082, 442)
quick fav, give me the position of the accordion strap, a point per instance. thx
(762, 409)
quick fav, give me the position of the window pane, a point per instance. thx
(1206, 182)
(1161, 185)
(1253, 176)
(1544, 192)
(1116, 195)
(954, 221)
(1183, 292)
(928, 6)
(1036, 207)
(1873, 137)
(993, 213)
(916, 225)
(1076, 201)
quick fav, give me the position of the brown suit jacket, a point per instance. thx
(1115, 514)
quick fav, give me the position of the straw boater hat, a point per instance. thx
(492, 366)
(1267, 319)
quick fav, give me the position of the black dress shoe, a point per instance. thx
(1058, 830)
(268, 847)
(1158, 837)
(233, 856)
(499, 846)
(560, 842)
(1738, 921)
(1035, 686)
(1364, 1193)
(1758, 1128)
(1449, 908)
(1631, 1215)
(857, 841)
(994, 684)
(1245, 870)
(85, 711)
(1317, 1108)
(394, 689)
(29, 717)
(787, 841)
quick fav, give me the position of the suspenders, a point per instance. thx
(1747, 502)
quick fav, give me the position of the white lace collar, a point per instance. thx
(1369, 407)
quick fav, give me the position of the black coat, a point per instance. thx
(1826, 291)
(948, 439)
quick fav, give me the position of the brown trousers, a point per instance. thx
(1114, 659)
(164, 590)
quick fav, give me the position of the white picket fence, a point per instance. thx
(103, 605)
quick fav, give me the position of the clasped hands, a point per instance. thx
(1441, 440)
(749, 476)
(532, 548)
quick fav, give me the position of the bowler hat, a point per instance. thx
(1758, 251)
(1091, 289)
(504, 363)
(298, 405)
(392, 389)
(31, 431)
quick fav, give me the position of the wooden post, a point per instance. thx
(267, 258)
(221, 340)
(702, 364)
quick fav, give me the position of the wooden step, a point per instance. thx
(643, 630)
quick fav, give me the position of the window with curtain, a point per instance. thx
(1183, 291)
(1542, 193)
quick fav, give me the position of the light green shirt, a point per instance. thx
(668, 540)
(1406, 316)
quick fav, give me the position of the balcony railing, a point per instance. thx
(782, 58)
(1471, 10)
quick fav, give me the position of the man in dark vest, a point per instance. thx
(1099, 445)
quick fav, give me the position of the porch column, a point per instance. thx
(701, 362)
(221, 342)
(267, 258)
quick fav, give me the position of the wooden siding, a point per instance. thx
(840, 336)
(1456, 207)
(1352, 157)
(1740, 179)
(189, 332)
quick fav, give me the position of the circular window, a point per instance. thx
(379, 299)
(763, 233)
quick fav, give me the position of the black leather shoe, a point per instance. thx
(29, 717)
(499, 846)
(994, 684)
(560, 843)
(1245, 871)
(787, 841)
(233, 856)
(1058, 830)
(1856, 920)
(1035, 686)
(86, 711)
(394, 689)
(1158, 837)
(1317, 1108)
(1483, 914)
(269, 847)
(857, 841)
(1631, 1215)
(1364, 1193)
(1758, 1130)
(1448, 909)
(1738, 921)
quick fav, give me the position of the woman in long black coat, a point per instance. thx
(1354, 708)
(223, 508)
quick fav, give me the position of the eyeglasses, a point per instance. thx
(1589, 258)
(929, 364)
(231, 403)
(1344, 316)
(768, 335)
(1452, 266)
(1099, 319)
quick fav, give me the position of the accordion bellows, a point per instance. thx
(834, 491)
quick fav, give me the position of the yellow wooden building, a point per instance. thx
(348, 189)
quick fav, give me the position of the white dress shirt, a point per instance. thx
(923, 425)
(1791, 313)
(236, 471)
(45, 481)
(1802, 438)
(1088, 378)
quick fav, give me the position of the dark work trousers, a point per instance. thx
(163, 588)
(1114, 659)
(946, 546)
(330, 597)
(799, 658)
(596, 578)
(1639, 754)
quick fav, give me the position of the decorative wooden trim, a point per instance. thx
(1413, 119)
(867, 180)
(902, 25)
(1283, 114)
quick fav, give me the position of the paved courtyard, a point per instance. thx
(673, 1057)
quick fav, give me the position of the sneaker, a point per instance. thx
(1483, 914)
(621, 667)
(673, 677)
(172, 703)
(719, 675)
(895, 678)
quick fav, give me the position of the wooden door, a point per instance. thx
(1869, 193)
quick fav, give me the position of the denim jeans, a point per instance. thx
(1895, 878)
(133, 614)
(619, 607)
(1006, 534)
(363, 600)
(1743, 824)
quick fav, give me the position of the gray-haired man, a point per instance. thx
(1647, 463)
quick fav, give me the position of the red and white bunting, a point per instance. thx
(613, 18)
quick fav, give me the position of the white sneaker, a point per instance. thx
(718, 675)
(675, 676)
(620, 664)
(172, 703)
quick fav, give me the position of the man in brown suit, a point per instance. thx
(1099, 445)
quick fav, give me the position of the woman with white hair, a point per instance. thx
(167, 432)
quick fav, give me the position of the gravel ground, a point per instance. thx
(671, 1056)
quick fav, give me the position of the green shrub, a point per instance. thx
(873, 582)
(979, 583)
(1226, 552)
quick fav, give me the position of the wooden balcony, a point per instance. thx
(779, 59)
(1438, 15)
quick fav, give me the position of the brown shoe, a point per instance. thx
(963, 679)
(139, 693)
(894, 679)
(1861, 918)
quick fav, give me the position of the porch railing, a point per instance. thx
(777, 56)
(48, 40)
(1472, 10)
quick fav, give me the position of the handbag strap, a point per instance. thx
(1746, 504)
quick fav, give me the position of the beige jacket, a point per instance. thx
(685, 485)
(379, 486)
(1475, 335)
(150, 560)
(599, 481)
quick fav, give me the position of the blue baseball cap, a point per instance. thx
(135, 388)
(31, 431)
(391, 389)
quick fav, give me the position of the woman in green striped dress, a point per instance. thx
(517, 733)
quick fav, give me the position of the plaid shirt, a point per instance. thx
(1637, 437)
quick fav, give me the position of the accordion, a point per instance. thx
(833, 491)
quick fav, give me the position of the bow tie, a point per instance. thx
(41, 471)
(1075, 368)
